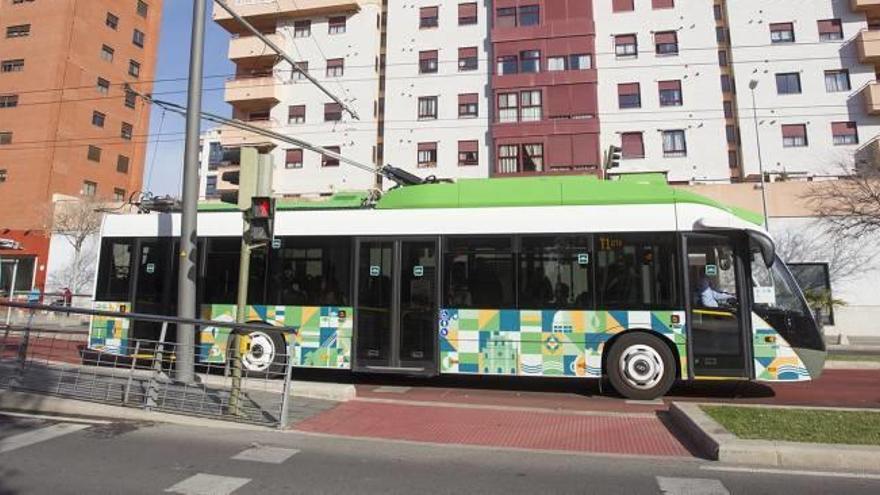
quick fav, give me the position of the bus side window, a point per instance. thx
(554, 272)
(636, 271)
(481, 273)
(114, 273)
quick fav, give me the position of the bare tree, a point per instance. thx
(850, 206)
(819, 242)
(76, 221)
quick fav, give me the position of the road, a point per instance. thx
(57, 456)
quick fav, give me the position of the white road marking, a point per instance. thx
(691, 486)
(65, 419)
(389, 389)
(271, 455)
(32, 437)
(820, 474)
(655, 402)
(208, 484)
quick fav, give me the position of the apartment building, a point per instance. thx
(337, 42)
(210, 161)
(67, 126)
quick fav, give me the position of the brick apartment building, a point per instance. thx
(67, 127)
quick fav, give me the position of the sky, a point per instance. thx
(164, 165)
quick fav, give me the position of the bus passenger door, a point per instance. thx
(396, 306)
(717, 323)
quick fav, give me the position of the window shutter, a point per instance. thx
(632, 145)
(781, 26)
(294, 156)
(669, 85)
(843, 128)
(628, 89)
(625, 39)
(467, 10)
(794, 131)
(427, 146)
(468, 146)
(297, 111)
(468, 98)
(665, 37)
(622, 5)
(662, 4)
(428, 55)
(429, 11)
(468, 52)
(830, 26)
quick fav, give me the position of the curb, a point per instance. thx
(852, 365)
(718, 444)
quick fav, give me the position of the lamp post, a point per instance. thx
(752, 85)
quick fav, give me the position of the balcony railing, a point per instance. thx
(265, 11)
(868, 43)
(252, 91)
(251, 46)
(871, 95)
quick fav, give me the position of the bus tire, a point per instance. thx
(266, 354)
(640, 366)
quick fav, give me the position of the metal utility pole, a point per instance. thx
(186, 277)
(752, 85)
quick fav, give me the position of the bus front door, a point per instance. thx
(396, 306)
(717, 323)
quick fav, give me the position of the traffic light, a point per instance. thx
(612, 159)
(261, 218)
(245, 177)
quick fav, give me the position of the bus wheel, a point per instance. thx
(265, 354)
(640, 366)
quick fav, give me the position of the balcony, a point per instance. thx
(868, 43)
(266, 12)
(249, 47)
(232, 137)
(868, 6)
(252, 92)
(871, 94)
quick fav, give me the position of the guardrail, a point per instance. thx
(140, 371)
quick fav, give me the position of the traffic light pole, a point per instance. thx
(244, 269)
(186, 277)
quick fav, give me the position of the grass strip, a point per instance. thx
(799, 425)
(855, 357)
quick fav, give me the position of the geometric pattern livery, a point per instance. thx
(322, 340)
(107, 334)
(775, 359)
(543, 342)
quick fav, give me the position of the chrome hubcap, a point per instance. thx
(261, 352)
(642, 366)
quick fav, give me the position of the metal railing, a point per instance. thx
(139, 372)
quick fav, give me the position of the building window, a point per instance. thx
(533, 157)
(126, 131)
(674, 144)
(830, 30)
(722, 58)
(529, 15)
(782, 32)
(112, 21)
(428, 62)
(794, 136)
(19, 31)
(8, 101)
(300, 75)
(336, 25)
(467, 58)
(506, 65)
(16, 65)
(468, 153)
(335, 67)
(508, 158)
(296, 114)
(718, 12)
(211, 186)
(722, 35)
(788, 83)
(728, 109)
(427, 107)
(622, 5)
(626, 45)
(666, 43)
(467, 14)
(530, 61)
(505, 17)
(332, 112)
(555, 64)
(293, 158)
(530, 105)
(329, 161)
(632, 145)
(134, 69)
(103, 86)
(629, 95)
(94, 153)
(258, 116)
(107, 53)
(730, 132)
(89, 188)
(427, 155)
(118, 194)
(6, 137)
(142, 8)
(837, 81)
(2, 175)
(580, 61)
(845, 133)
(130, 99)
(428, 17)
(468, 106)
(98, 119)
(727, 84)
(508, 107)
(732, 159)
(302, 29)
(122, 164)
(138, 38)
(670, 93)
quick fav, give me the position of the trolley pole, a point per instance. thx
(186, 277)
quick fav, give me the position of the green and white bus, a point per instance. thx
(554, 276)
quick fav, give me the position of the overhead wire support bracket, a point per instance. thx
(287, 58)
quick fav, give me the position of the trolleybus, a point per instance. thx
(630, 280)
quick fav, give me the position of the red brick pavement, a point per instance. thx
(609, 434)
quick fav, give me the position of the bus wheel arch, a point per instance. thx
(265, 355)
(640, 364)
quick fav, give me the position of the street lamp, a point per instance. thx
(752, 85)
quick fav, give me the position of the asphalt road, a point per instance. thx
(52, 456)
